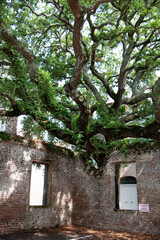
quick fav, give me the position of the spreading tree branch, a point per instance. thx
(10, 113)
(20, 47)
(136, 99)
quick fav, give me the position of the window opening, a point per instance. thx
(128, 193)
(2, 126)
(39, 185)
(126, 187)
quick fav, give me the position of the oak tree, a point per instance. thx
(84, 70)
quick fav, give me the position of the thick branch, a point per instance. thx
(55, 131)
(123, 12)
(10, 113)
(71, 87)
(136, 99)
(56, 113)
(75, 7)
(99, 76)
(20, 47)
(151, 131)
(122, 77)
(77, 44)
(71, 107)
(103, 80)
(91, 86)
(128, 118)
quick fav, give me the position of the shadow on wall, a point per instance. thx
(15, 212)
(13, 196)
(75, 197)
(70, 197)
(71, 206)
(62, 208)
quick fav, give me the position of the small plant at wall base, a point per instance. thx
(90, 69)
(5, 136)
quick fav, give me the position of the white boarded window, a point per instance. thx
(128, 193)
(2, 126)
(39, 185)
(126, 196)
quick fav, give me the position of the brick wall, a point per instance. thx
(15, 173)
(99, 209)
(77, 198)
(11, 125)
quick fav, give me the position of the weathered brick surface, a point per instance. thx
(100, 212)
(11, 125)
(15, 173)
(76, 197)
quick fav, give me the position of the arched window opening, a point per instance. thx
(128, 193)
(128, 180)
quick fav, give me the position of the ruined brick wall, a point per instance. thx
(98, 196)
(11, 125)
(77, 198)
(15, 173)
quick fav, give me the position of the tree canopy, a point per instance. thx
(83, 70)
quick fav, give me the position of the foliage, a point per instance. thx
(5, 136)
(84, 71)
(125, 144)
